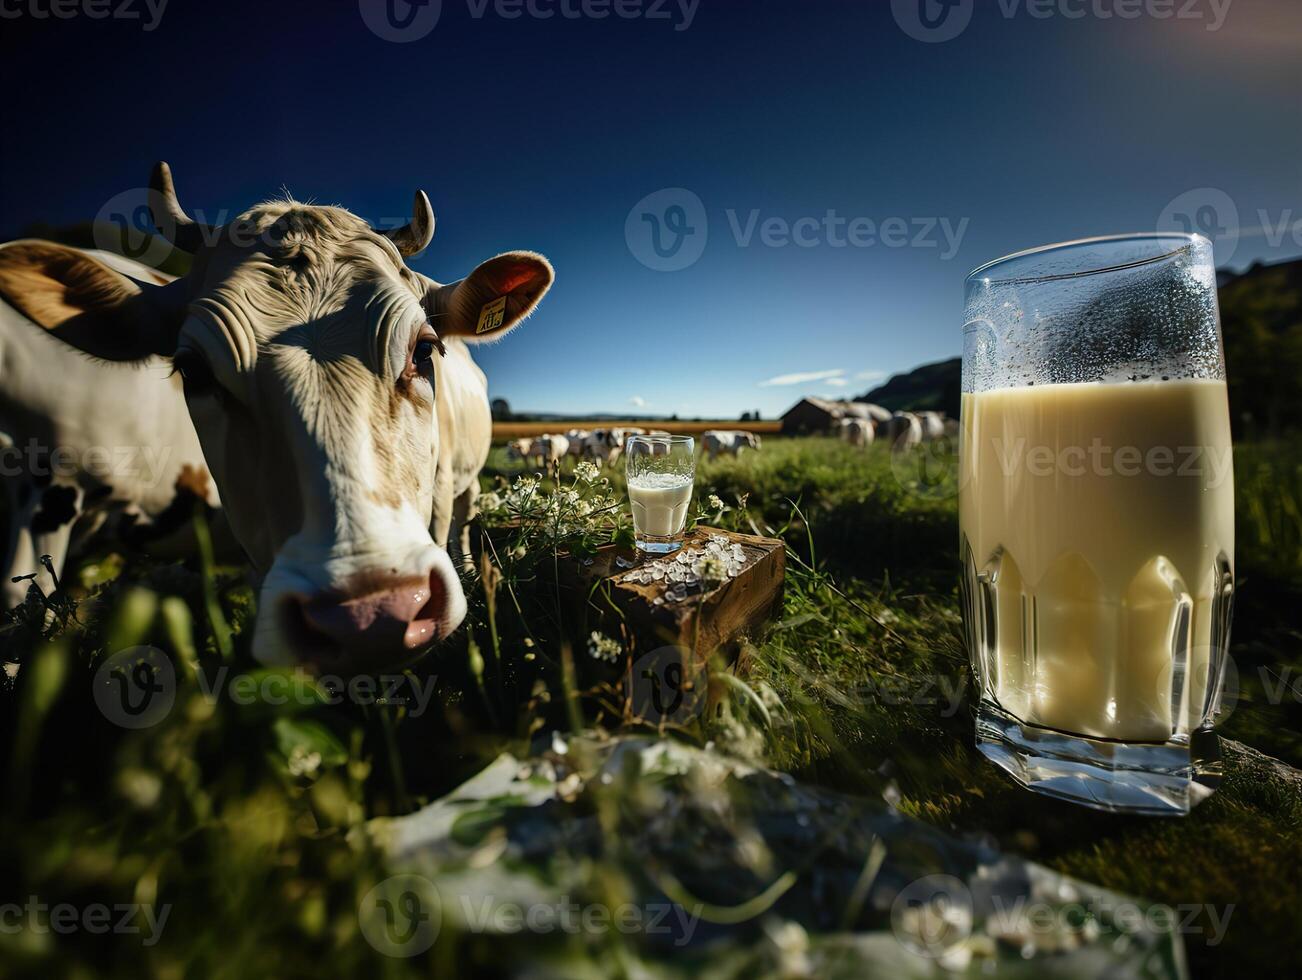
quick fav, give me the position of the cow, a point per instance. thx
(85, 444)
(339, 411)
(903, 431)
(520, 449)
(933, 426)
(603, 446)
(577, 438)
(550, 449)
(729, 441)
(858, 432)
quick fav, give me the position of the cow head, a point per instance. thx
(313, 362)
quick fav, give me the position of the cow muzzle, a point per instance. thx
(373, 622)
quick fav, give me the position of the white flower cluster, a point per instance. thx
(602, 647)
(692, 570)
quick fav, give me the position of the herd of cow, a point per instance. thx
(604, 446)
(902, 431)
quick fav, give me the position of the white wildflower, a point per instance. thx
(303, 762)
(602, 647)
(715, 502)
(586, 471)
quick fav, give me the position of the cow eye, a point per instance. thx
(422, 355)
(195, 372)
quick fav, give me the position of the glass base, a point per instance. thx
(658, 544)
(1156, 779)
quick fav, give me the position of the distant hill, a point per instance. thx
(932, 386)
(1261, 319)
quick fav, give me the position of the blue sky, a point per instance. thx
(839, 177)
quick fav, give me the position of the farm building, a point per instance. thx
(820, 415)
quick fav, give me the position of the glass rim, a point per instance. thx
(1186, 242)
(678, 439)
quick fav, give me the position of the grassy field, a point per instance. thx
(518, 430)
(243, 816)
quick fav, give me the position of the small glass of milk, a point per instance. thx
(660, 471)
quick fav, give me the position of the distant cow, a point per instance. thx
(577, 438)
(728, 441)
(603, 446)
(520, 449)
(341, 415)
(903, 431)
(933, 426)
(858, 432)
(549, 450)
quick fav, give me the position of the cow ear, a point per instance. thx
(491, 300)
(87, 305)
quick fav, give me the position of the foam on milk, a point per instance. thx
(660, 502)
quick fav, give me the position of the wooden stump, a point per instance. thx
(676, 600)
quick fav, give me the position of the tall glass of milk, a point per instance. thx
(660, 471)
(1096, 511)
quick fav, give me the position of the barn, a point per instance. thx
(821, 415)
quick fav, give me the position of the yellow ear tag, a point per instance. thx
(490, 317)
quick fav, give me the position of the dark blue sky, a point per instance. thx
(545, 133)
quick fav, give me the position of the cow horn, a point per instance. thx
(413, 238)
(171, 221)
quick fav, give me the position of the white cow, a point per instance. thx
(903, 431)
(520, 449)
(334, 396)
(933, 426)
(603, 446)
(577, 438)
(85, 442)
(729, 441)
(858, 432)
(549, 450)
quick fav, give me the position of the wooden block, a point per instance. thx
(623, 592)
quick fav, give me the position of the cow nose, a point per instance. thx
(398, 619)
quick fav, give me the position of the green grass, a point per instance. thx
(243, 817)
